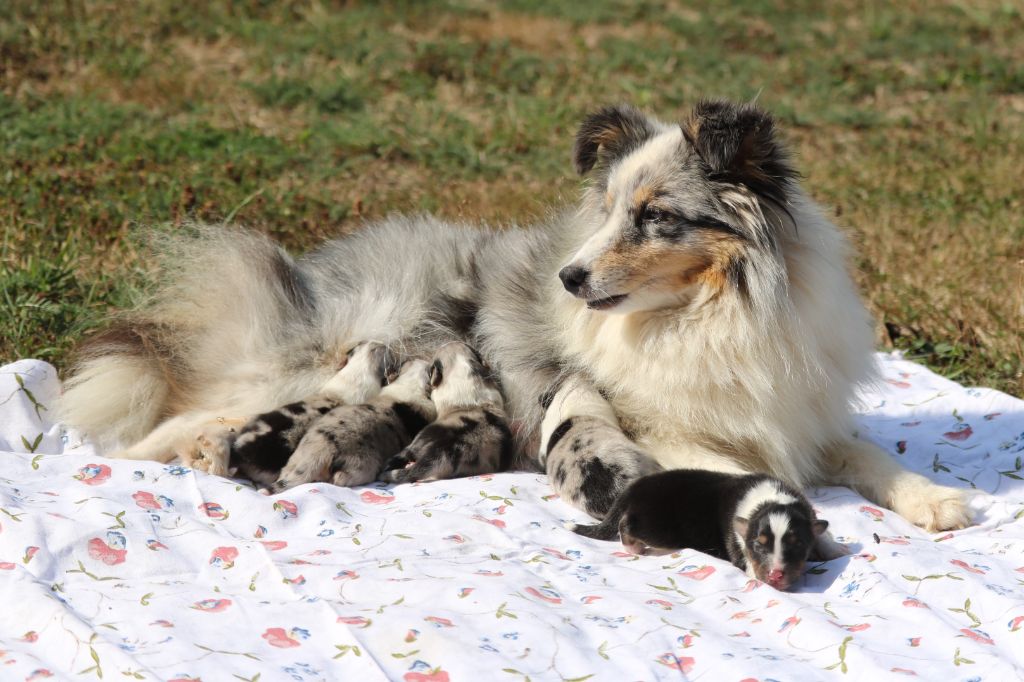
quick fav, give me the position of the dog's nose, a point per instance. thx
(573, 278)
(776, 577)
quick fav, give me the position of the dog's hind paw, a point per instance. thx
(934, 507)
(210, 453)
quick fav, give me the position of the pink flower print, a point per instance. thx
(545, 593)
(961, 433)
(904, 671)
(967, 567)
(686, 641)
(93, 474)
(557, 554)
(661, 603)
(440, 622)
(914, 603)
(789, 624)
(411, 636)
(866, 556)
(457, 539)
(155, 544)
(261, 532)
(590, 598)
(697, 573)
(977, 636)
(147, 500)
(752, 585)
(274, 545)
(214, 511)
(29, 553)
(163, 623)
(287, 509)
(465, 592)
(1016, 623)
(914, 641)
(497, 523)
(185, 678)
(489, 574)
(38, 674)
(297, 580)
(683, 664)
(6, 566)
(371, 497)
(31, 636)
(771, 603)
(359, 621)
(101, 551)
(281, 639)
(894, 541)
(740, 615)
(624, 555)
(212, 605)
(856, 628)
(346, 575)
(872, 513)
(898, 384)
(224, 557)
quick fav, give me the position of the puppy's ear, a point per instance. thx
(819, 527)
(436, 374)
(739, 145)
(608, 134)
(740, 525)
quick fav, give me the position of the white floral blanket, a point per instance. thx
(137, 570)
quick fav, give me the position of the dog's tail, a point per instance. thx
(222, 295)
(608, 529)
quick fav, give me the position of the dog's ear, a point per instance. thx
(610, 133)
(739, 145)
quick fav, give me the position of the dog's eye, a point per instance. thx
(653, 214)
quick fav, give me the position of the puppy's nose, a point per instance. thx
(573, 278)
(776, 577)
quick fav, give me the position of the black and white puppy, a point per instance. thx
(587, 457)
(264, 444)
(471, 435)
(755, 521)
(349, 445)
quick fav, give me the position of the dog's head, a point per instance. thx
(675, 208)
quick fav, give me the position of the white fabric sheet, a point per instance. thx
(139, 570)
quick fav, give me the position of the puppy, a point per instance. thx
(349, 444)
(757, 522)
(589, 460)
(471, 435)
(265, 443)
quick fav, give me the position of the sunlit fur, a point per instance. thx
(738, 347)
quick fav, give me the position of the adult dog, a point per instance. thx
(695, 285)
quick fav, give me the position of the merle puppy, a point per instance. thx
(471, 434)
(757, 522)
(349, 444)
(265, 443)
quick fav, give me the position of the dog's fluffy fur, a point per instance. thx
(716, 313)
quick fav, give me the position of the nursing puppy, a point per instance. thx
(471, 434)
(264, 445)
(757, 522)
(588, 458)
(349, 444)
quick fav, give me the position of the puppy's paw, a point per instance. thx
(402, 460)
(933, 507)
(211, 452)
(347, 479)
(394, 475)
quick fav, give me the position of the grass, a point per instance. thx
(306, 118)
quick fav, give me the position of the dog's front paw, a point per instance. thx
(933, 507)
